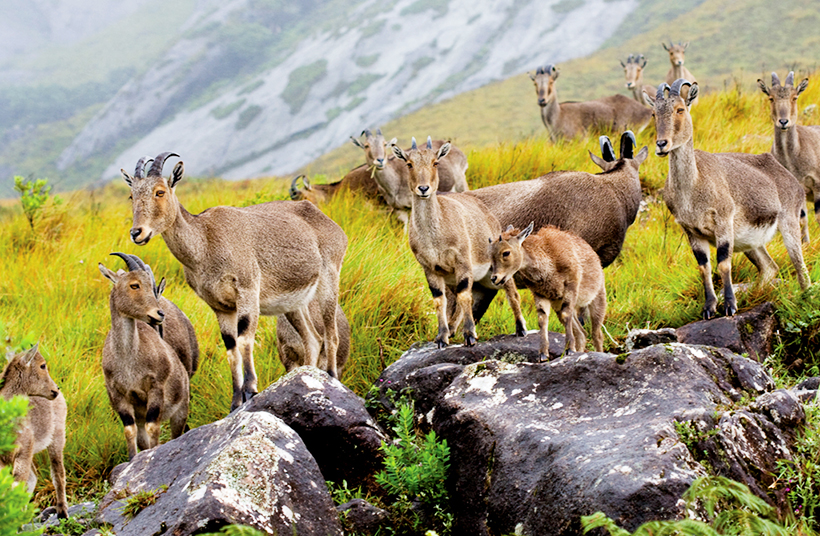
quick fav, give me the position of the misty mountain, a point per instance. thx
(245, 88)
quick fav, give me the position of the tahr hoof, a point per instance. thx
(708, 313)
(441, 344)
(469, 339)
(247, 395)
(730, 309)
(543, 357)
(520, 329)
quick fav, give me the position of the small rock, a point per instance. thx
(360, 517)
(809, 384)
(644, 338)
(748, 333)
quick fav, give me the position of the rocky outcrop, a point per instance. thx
(331, 420)
(249, 468)
(536, 446)
(749, 333)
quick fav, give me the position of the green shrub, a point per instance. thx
(800, 478)
(15, 509)
(300, 81)
(35, 196)
(415, 471)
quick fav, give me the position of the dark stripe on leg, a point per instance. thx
(436, 292)
(152, 415)
(230, 342)
(723, 253)
(462, 285)
(127, 419)
(243, 324)
(701, 257)
(803, 212)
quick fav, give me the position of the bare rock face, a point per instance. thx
(749, 333)
(332, 421)
(536, 446)
(249, 468)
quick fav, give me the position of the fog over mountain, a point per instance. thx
(259, 87)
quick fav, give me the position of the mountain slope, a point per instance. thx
(385, 62)
(729, 41)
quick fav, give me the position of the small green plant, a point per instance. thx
(800, 477)
(729, 507)
(415, 470)
(15, 509)
(139, 501)
(35, 197)
(237, 530)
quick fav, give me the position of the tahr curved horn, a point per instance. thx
(429, 142)
(607, 152)
(139, 172)
(775, 79)
(159, 161)
(677, 85)
(413, 146)
(789, 79)
(661, 88)
(129, 261)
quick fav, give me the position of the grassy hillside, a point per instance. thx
(729, 41)
(52, 291)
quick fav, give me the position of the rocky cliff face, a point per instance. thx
(313, 86)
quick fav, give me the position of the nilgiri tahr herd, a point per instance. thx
(553, 235)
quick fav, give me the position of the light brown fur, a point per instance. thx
(359, 180)
(562, 272)
(43, 428)
(572, 119)
(795, 146)
(269, 259)
(292, 351)
(633, 73)
(448, 234)
(146, 381)
(392, 175)
(734, 201)
(677, 57)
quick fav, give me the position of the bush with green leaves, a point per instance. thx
(15, 508)
(729, 508)
(414, 475)
(35, 196)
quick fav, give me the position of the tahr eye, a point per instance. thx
(160, 193)
(43, 366)
(409, 165)
(135, 286)
(506, 254)
(130, 197)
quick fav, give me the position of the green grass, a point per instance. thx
(52, 291)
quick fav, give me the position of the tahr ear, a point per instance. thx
(532, 76)
(693, 94)
(762, 85)
(356, 142)
(28, 357)
(399, 152)
(443, 150)
(160, 287)
(176, 174)
(642, 154)
(802, 86)
(648, 99)
(525, 233)
(108, 273)
(127, 178)
(598, 161)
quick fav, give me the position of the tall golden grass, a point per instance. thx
(52, 291)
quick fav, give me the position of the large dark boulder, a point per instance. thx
(749, 333)
(425, 371)
(249, 468)
(536, 446)
(332, 421)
